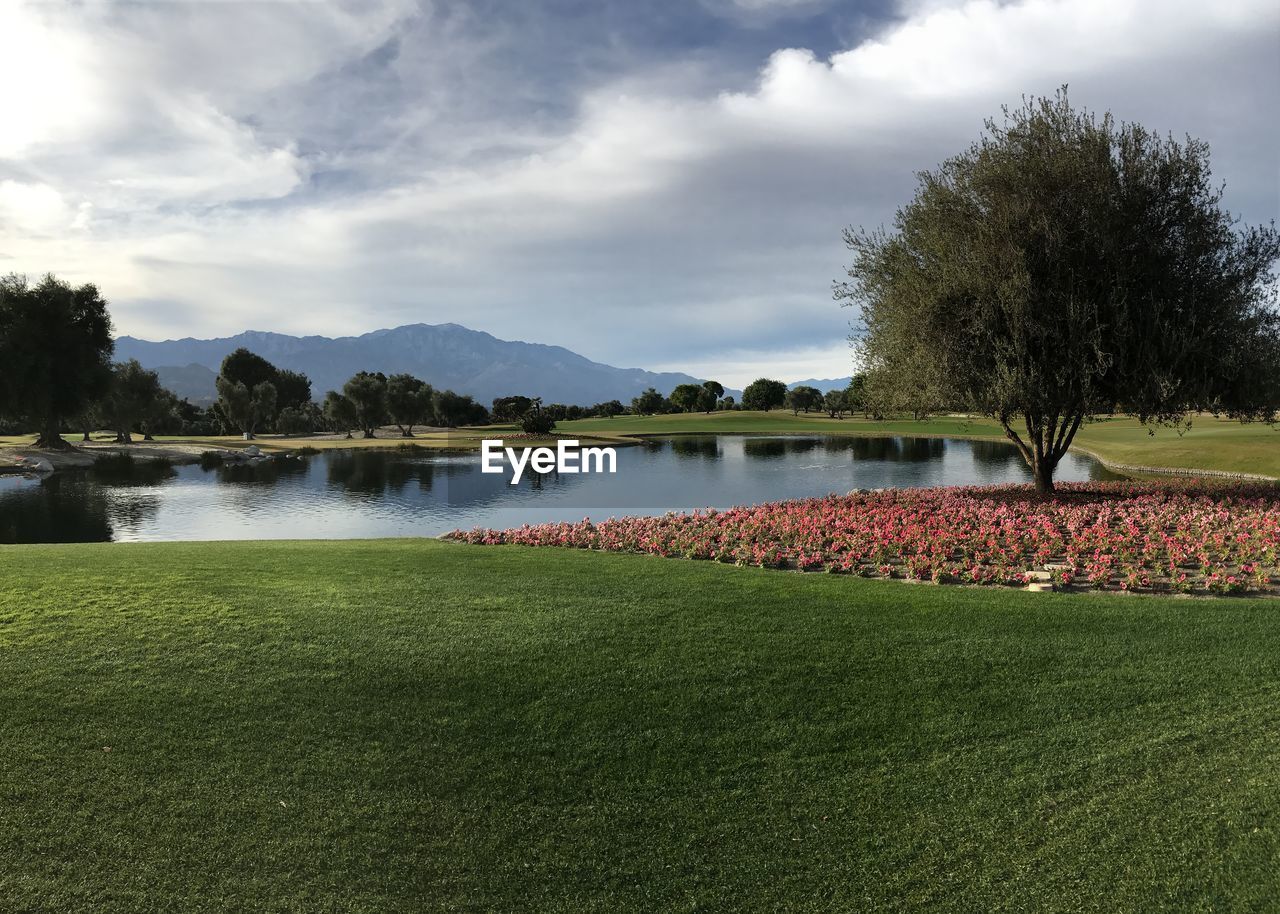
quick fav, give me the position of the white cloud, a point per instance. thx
(32, 208)
(47, 97)
(656, 227)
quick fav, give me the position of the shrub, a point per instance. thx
(537, 423)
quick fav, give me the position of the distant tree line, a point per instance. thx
(56, 346)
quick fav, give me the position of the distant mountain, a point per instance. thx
(823, 384)
(190, 382)
(443, 355)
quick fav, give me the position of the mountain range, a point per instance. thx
(823, 384)
(444, 355)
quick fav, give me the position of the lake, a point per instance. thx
(377, 493)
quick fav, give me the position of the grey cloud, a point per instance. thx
(649, 187)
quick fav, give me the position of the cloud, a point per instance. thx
(368, 166)
(33, 209)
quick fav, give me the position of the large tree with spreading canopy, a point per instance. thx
(55, 352)
(1065, 266)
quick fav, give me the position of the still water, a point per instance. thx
(375, 493)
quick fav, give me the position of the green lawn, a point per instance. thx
(416, 726)
(1210, 444)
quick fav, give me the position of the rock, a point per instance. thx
(252, 451)
(1040, 588)
(36, 464)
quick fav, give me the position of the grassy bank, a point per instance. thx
(410, 726)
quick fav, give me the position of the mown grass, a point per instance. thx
(1209, 444)
(415, 726)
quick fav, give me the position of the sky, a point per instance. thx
(652, 184)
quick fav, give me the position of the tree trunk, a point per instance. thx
(368, 433)
(51, 438)
(1043, 474)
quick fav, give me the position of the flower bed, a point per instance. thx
(1189, 536)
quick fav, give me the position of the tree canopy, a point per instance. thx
(687, 397)
(764, 393)
(55, 349)
(1064, 266)
(409, 402)
(648, 403)
(248, 368)
(135, 395)
(340, 412)
(367, 391)
(454, 409)
(803, 398)
(246, 409)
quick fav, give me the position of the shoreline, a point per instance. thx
(82, 455)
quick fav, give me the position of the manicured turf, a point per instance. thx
(1210, 444)
(416, 726)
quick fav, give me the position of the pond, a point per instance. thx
(376, 493)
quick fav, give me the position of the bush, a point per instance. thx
(537, 423)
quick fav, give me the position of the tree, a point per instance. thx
(609, 409)
(507, 409)
(134, 396)
(647, 403)
(764, 394)
(1066, 266)
(290, 422)
(855, 395)
(712, 392)
(408, 401)
(835, 402)
(340, 412)
(55, 349)
(293, 389)
(249, 368)
(537, 421)
(686, 397)
(246, 409)
(452, 409)
(803, 398)
(367, 391)
(727, 403)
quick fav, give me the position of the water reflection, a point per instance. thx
(773, 448)
(707, 448)
(898, 450)
(260, 472)
(67, 508)
(365, 493)
(994, 453)
(375, 473)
